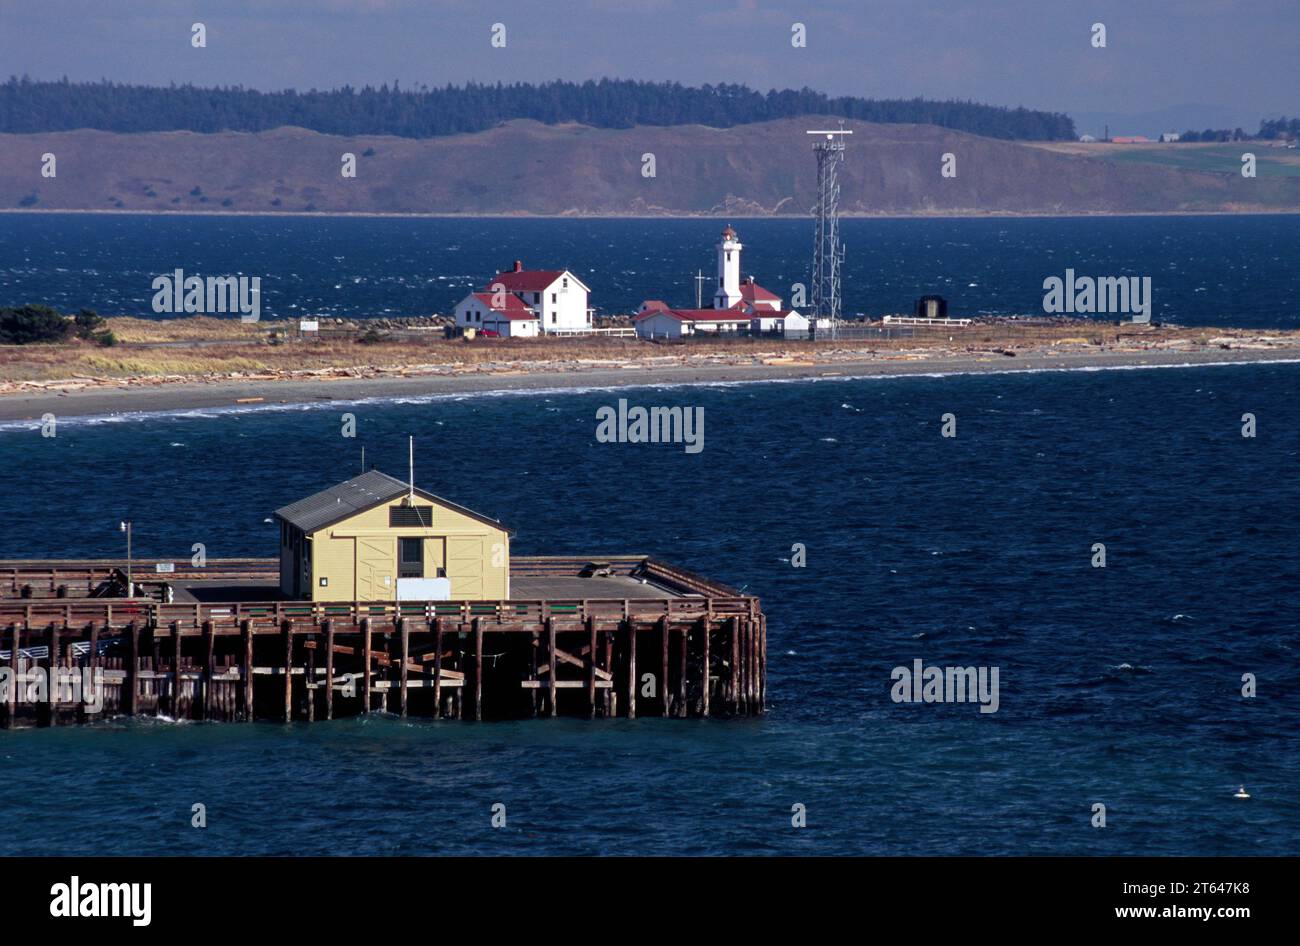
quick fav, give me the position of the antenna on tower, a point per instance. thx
(828, 252)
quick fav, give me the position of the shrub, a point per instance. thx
(32, 323)
(105, 339)
(371, 336)
(86, 323)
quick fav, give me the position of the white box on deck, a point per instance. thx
(424, 589)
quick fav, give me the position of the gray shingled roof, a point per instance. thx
(357, 495)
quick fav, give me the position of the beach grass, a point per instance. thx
(208, 349)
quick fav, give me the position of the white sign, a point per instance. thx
(424, 589)
(309, 325)
(165, 567)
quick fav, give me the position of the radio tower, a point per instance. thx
(828, 252)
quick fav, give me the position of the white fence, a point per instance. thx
(627, 332)
(910, 320)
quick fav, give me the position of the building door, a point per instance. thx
(375, 570)
(465, 565)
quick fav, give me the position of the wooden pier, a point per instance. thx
(613, 636)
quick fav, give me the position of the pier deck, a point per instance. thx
(639, 636)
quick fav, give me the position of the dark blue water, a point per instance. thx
(1118, 685)
(1217, 270)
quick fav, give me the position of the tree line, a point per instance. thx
(1269, 130)
(28, 106)
(35, 324)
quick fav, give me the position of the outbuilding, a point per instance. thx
(506, 315)
(376, 538)
(780, 323)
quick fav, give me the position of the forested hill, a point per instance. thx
(29, 106)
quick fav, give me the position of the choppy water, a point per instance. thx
(1118, 685)
(1209, 270)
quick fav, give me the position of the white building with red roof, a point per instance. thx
(757, 299)
(556, 296)
(738, 305)
(675, 323)
(501, 312)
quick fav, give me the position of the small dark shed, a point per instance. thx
(932, 307)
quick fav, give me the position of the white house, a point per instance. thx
(509, 317)
(791, 323)
(557, 297)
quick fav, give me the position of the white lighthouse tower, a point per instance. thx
(728, 292)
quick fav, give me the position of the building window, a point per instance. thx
(324, 582)
(552, 318)
(411, 562)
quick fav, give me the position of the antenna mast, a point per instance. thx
(410, 467)
(828, 252)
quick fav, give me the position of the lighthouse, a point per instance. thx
(728, 291)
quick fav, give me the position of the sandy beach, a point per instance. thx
(252, 394)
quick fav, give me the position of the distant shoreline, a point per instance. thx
(701, 215)
(269, 394)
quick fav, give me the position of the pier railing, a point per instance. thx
(43, 578)
(116, 612)
(77, 579)
(38, 593)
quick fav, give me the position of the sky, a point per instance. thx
(1233, 62)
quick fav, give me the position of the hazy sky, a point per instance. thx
(1240, 58)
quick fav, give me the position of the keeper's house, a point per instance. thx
(375, 538)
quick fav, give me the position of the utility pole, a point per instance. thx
(700, 280)
(125, 526)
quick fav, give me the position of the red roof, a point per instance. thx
(752, 292)
(526, 280)
(698, 315)
(651, 304)
(514, 310)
